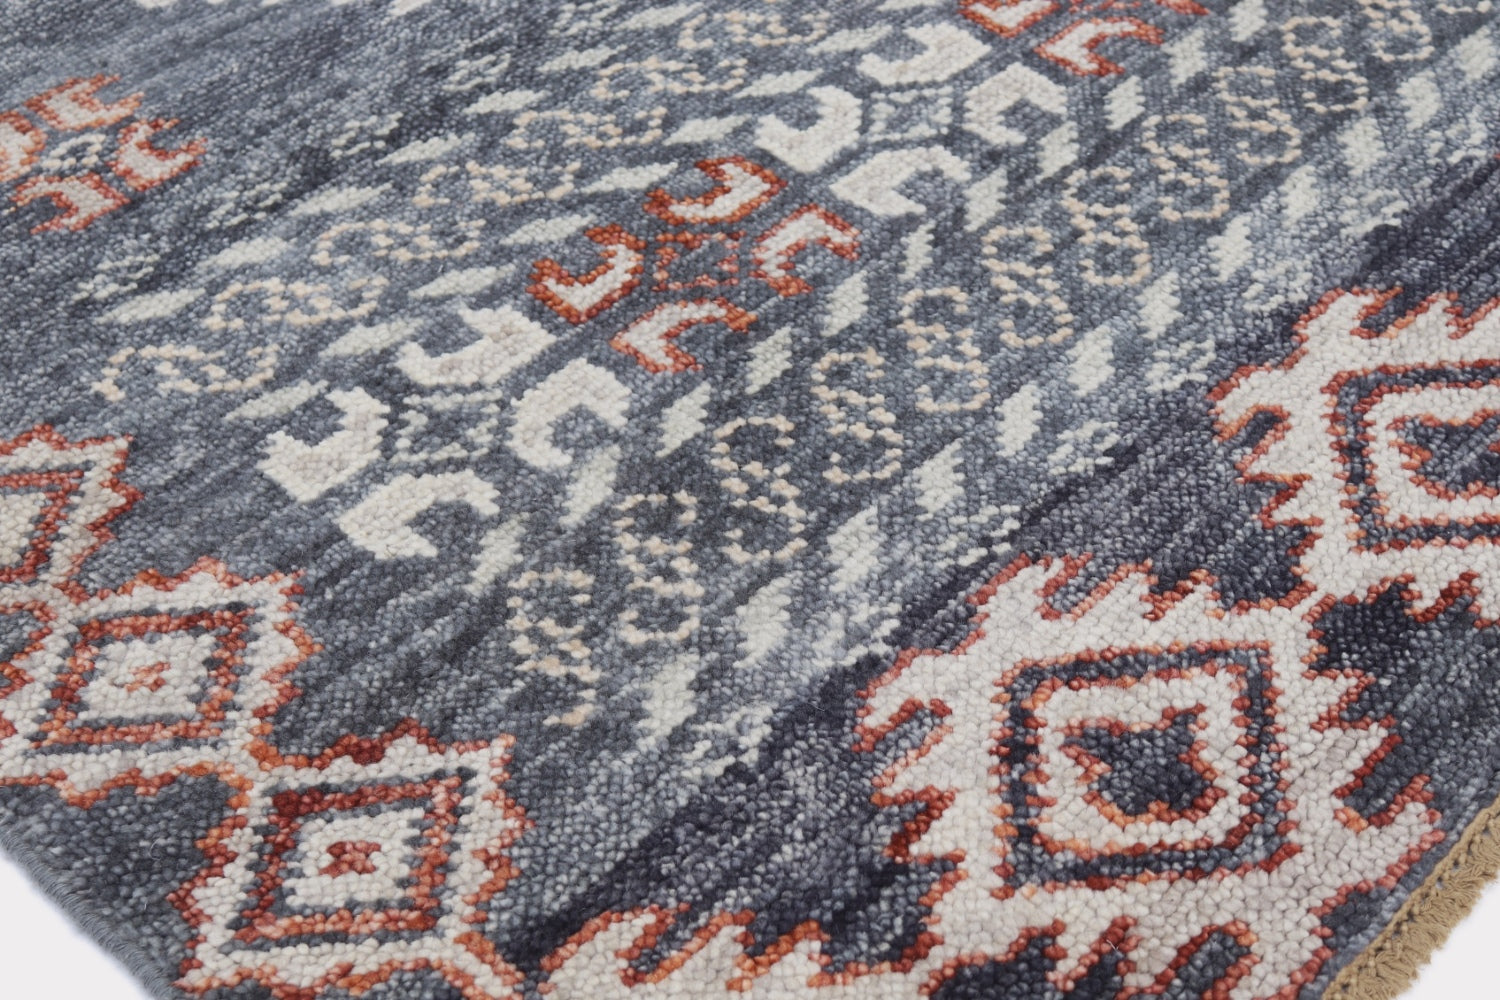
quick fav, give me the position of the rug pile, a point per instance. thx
(881, 500)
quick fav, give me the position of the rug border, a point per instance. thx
(1383, 971)
(1390, 964)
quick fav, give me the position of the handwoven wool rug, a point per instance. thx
(871, 500)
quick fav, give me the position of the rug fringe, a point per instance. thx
(1390, 964)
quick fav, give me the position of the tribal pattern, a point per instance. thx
(1366, 406)
(166, 679)
(1036, 784)
(83, 198)
(962, 499)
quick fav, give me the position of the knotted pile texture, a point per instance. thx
(873, 500)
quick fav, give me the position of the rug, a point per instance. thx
(881, 500)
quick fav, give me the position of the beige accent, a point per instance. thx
(1389, 965)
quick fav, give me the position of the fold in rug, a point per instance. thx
(892, 499)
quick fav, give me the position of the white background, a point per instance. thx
(41, 955)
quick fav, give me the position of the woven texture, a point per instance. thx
(873, 500)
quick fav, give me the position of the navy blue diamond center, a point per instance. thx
(1146, 769)
(1136, 769)
(1458, 457)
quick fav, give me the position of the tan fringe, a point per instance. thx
(1391, 962)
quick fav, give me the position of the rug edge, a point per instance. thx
(1382, 971)
(1390, 964)
(134, 960)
